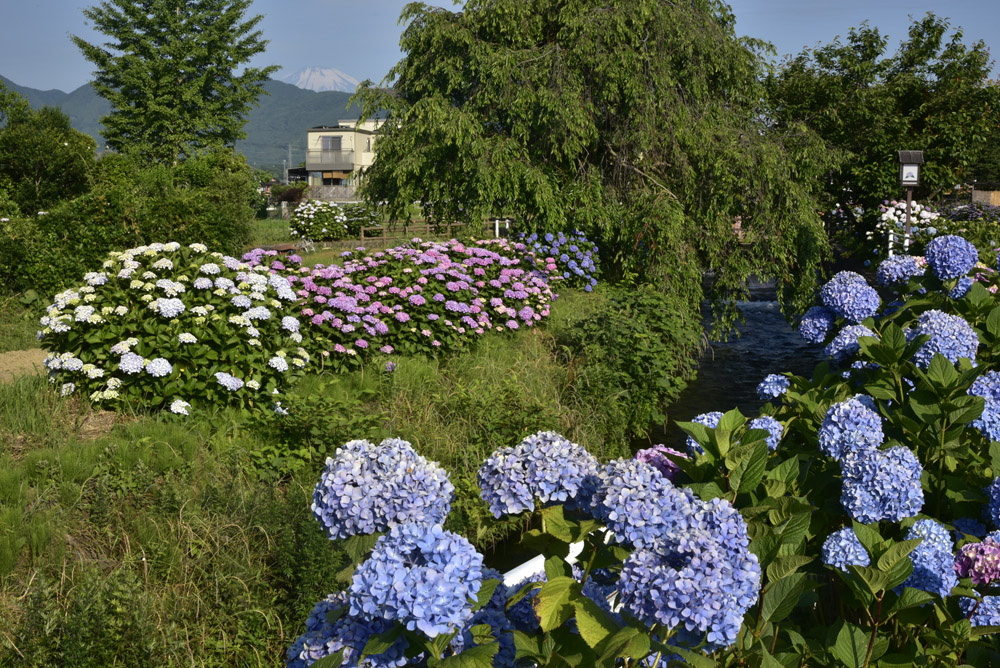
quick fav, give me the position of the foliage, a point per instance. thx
(935, 93)
(205, 200)
(638, 349)
(43, 160)
(292, 192)
(175, 74)
(164, 326)
(605, 117)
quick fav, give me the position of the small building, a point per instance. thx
(336, 154)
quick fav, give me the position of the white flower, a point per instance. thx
(179, 407)
(199, 248)
(187, 337)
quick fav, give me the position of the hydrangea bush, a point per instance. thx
(319, 220)
(170, 327)
(572, 259)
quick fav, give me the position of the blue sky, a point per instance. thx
(361, 37)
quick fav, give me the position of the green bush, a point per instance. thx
(634, 354)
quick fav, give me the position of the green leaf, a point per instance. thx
(941, 371)
(993, 322)
(896, 552)
(482, 634)
(851, 646)
(909, 598)
(768, 661)
(593, 623)
(485, 592)
(479, 656)
(334, 660)
(552, 603)
(780, 598)
(874, 579)
(750, 469)
(693, 658)
(556, 567)
(786, 565)
(381, 642)
(359, 546)
(869, 537)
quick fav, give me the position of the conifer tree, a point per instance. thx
(174, 73)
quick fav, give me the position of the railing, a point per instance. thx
(318, 160)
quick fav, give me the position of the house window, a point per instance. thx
(329, 143)
(368, 145)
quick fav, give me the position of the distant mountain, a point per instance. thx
(285, 113)
(321, 79)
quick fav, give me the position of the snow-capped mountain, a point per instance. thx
(320, 79)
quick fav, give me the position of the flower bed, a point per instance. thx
(420, 298)
(166, 326)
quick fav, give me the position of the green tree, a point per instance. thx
(638, 121)
(174, 73)
(43, 160)
(934, 94)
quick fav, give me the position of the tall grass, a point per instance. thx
(18, 324)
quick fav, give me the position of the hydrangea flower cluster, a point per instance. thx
(572, 258)
(657, 457)
(159, 324)
(773, 386)
(420, 575)
(816, 324)
(368, 488)
(932, 559)
(842, 549)
(993, 502)
(899, 269)
(849, 296)
(318, 220)
(775, 430)
(494, 614)
(950, 336)
(923, 220)
(985, 613)
(700, 578)
(420, 298)
(979, 561)
(272, 259)
(710, 420)
(881, 485)
(987, 386)
(950, 256)
(849, 427)
(544, 466)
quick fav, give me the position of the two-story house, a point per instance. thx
(336, 154)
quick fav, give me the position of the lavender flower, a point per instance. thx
(881, 485)
(774, 430)
(657, 457)
(979, 561)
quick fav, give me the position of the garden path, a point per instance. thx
(19, 362)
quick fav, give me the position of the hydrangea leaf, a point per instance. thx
(479, 656)
(595, 625)
(485, 592)
(851, 646)
(896, 553)
(379, 643)
(750, 470)
(875, 580)
(780, 598)
(691, 658)
(909, 598)
(786, 565)
(482, 634)
(552, 604)
(334, 660)
(359, 546)
(993, 322)
(556, 567)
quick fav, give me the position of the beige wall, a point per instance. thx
(991, 197)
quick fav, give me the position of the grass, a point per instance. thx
(18, 324)
(157, 541)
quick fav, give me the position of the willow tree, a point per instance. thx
(638, 121)
(175, 73)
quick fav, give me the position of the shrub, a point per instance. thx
(166, 326)
(571, 259)
(319, 220)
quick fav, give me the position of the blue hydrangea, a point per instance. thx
(545, 466)
(773, 428)
(881, 485)
(347, 633)
(950, 335)
(950, 256)
(637, 503)
(228, 381)
(850, 426)
(367, 488)
(961, 288)
(970, 526)
(987, 385)
(842, 549)
(993, 502)
(699, 580)
(710, 420)
(159, 367)
(849, 296)
(495, 615)
(987, 613)
(773, 386)
(933, 559)
(898, 269)
(845, 344)
(421, 576)
(816, 324)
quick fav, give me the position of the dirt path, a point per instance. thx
(19, 362)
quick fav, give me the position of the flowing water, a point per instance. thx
(729, 372)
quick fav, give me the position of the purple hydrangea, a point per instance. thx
(657, 457)
(842, 549)
(545, 466)
(421, 576)
(849, 296)
(773, 386)
(366, 489)
(710, 420)
(882, 485)
(699, 580)
(979, 561)
(950, 256)
(816, 324)
(849, 427)
(845, 344)
(898, 269)
(773, 428)
(950, 336)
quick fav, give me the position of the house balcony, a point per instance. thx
(320, 161)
